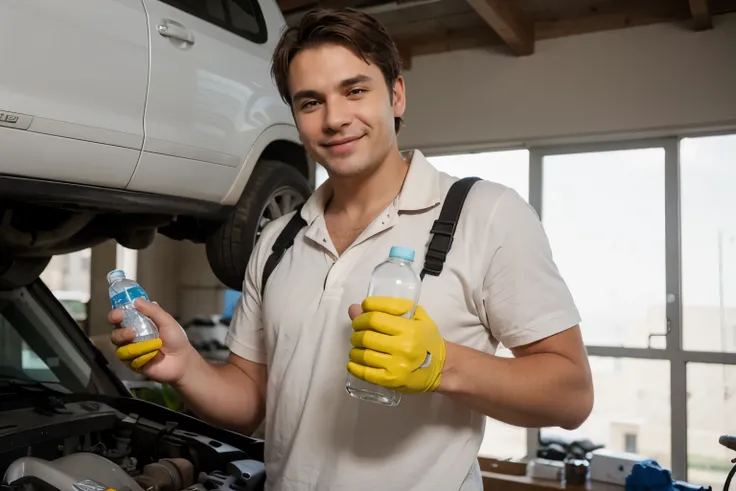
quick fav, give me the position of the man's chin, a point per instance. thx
(344, 167)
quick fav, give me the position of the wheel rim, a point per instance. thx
(281, 202)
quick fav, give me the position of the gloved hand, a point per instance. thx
(165, 359)
(135, 355)
(399, 353)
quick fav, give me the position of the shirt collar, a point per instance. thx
(421, 189)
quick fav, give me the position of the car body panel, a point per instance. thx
(77, 73)
(276, 132)
(208, 102)
(131, 109)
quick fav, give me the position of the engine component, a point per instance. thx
(76, 472)
(167, 475)
(243, 475)
(248, 471)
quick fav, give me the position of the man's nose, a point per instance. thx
(337, 116)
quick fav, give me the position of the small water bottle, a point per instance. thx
(394, 277)
(123, 292)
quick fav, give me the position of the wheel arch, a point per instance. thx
(278, 142)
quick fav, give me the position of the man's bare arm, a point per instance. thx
(231, 395)
(548, 383)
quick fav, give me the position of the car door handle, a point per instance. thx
(172, 29)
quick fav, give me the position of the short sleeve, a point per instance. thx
(524, 296)
(245, 335)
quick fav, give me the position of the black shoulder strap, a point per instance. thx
(283, 242)
(444, 227)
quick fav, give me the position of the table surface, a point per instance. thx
(493, 481)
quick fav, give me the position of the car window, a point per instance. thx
(211, 10)
(242, 17)
(34, 347)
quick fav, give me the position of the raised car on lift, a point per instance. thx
(120, 119)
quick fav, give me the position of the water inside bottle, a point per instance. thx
(392, 278)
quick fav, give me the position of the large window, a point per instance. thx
(708, 176)
(604, 215)
(632, 408)
(644, 233)
(510, 167)
(711, 412)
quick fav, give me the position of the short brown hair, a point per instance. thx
(355, 30)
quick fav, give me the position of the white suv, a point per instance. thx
(123, 118)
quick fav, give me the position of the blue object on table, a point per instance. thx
(648, 475)
(684, 486)
(229, 303)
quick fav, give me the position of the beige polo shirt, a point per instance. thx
(499, 284)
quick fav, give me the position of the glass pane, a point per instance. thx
(508, 167)
(711, 406)
(242, 16)
(502, 441)
(631, 410)
(604, 215)
(68, 278)
(708, 193)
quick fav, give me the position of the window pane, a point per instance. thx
(711, 405)
(502, 441)
(604, 215)
(632, 408)
(242, 15)
(204, 9)
(508, 167)
(708, 193)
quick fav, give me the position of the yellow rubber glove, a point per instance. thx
(135, 355)
(399, 353)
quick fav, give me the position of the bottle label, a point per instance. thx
(128, 296)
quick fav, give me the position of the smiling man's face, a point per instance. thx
(343, 111)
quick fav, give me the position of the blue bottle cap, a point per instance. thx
(402, 253)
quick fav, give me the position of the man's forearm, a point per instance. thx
(222, 394)
(543, 389)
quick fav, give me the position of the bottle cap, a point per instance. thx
(115, 274)
(402, 253)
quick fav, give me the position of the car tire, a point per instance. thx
(274, 189)
(20, 272)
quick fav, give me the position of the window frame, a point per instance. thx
(260, 37)
(673, 352)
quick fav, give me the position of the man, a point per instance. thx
(291, 342)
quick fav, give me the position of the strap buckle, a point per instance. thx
(443, 227)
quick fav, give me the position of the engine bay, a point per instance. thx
(97, 445)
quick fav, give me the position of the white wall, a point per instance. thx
(651, 78)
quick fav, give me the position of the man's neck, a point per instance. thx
(361, 195)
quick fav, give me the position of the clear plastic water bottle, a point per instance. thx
(123, 292)
(394, 277)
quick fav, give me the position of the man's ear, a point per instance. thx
(399, 97)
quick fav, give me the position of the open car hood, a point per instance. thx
(68, 423)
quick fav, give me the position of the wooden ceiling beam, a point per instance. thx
(510, 23)
(700, 11)
(645, 13)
